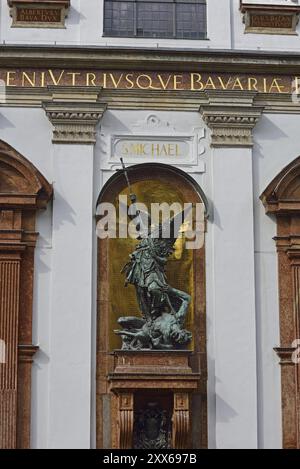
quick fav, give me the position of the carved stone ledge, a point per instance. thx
(74, 115)
(231, 118)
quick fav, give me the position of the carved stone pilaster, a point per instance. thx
(231, 116)
(74, 115)
(9, 315)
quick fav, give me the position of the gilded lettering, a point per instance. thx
(238, 84)
(129, 80)
(90, 79)
(116, 83)
(56, 81)
(225, 86)
(196, 78)
(74, 76)
(177, 82)
(276, 85)
(43, 79)
(252, 84)
(10, 77)
(265, 85)
(27, 79)
(296, 87)
(163, 83)
(210, 84)
(148, 79)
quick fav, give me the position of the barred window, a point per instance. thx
(165, 19)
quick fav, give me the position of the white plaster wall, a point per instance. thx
(262, 42)
(69, 35)
(276, 145)
(84, 26)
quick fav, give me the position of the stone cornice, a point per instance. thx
(105, 57)
(231, 118)
(74, 113)
(148, 99)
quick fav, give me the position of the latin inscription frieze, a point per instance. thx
(155, 81)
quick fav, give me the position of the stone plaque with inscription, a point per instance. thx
(39, 13)
(270, 19)
(181, 150)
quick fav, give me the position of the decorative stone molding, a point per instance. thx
(125, 419)
(23, 190)
(285, 355)
(74, 113)
(279, 197)
(231, 116)
(270, 19)
(181, 420)
(39, 13)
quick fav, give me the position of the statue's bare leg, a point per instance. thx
(185, 298)
(156, 296)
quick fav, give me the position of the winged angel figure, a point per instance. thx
(163, 308)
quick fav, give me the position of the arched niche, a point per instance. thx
(23, 191)
(282, 199)
(117, 399)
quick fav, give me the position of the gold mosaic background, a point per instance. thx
(122, 300)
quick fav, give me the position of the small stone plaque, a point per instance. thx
(270, 19)
(39, 14)
(181, 150)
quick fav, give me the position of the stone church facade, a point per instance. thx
(201, 100)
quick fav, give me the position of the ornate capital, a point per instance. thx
(231, 116)
(74, 115)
